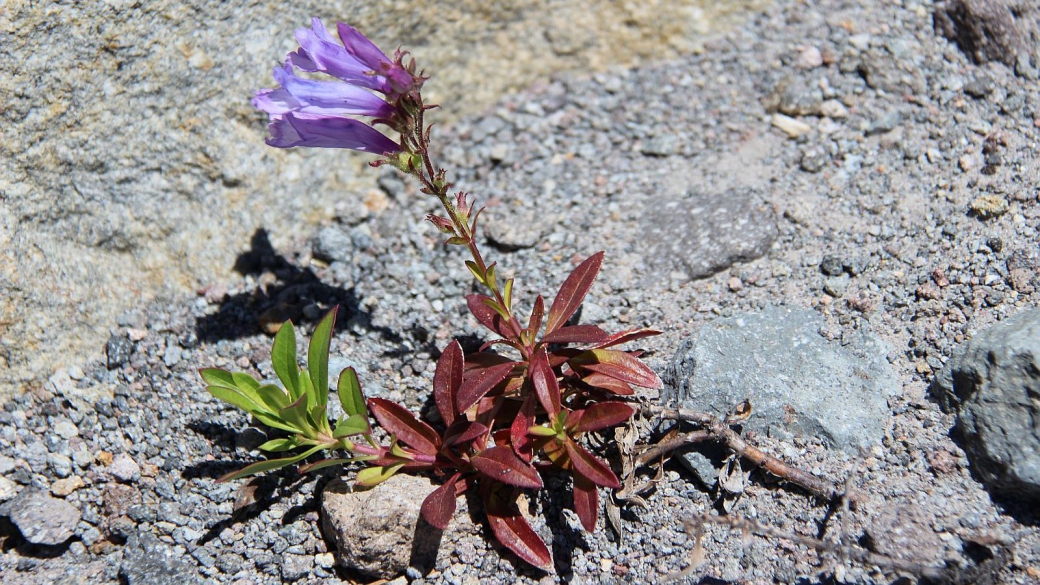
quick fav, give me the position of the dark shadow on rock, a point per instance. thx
(11, 540)
(564, 538)
(257, 495)
(426, 542)
(293, 290)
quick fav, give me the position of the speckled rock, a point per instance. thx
(41, 518)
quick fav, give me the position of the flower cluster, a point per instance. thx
(316, 113)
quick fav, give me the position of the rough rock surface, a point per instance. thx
(148, 561)
(41, 518)
(798, 382)
(379, 531)
(132, 166)
(993, 381)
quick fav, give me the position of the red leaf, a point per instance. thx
(605, 382)
(524, 420)
(603, 415)
(572, 292)
(514, 532)
(476, 361)
(626, 336)
(546, 387)
(488, 317)
(588, 466)
(577, 334)
(464, 432)
(502, 464)
(619, 365)
(586, 502)
(439, 507)
(446, 381)
(408, 429)
(535, 322)
(477, 383)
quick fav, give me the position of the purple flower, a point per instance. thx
(307, 112)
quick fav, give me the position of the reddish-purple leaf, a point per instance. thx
(464, 432)
(620, 365)
(586, 502)
(477, 361)
(477, 383)
(502, 464)
(537, 312)
(572, 292)
(439, 507)
(524, 420)
(590, 334)
(447, 379)
(543, 378)
(408, 429)
(487, 316)
(603, 415)
(587, 465)
(508, 342)
(605, 382)
(515, 533)
(626, 336)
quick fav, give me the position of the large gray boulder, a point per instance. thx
(798, 382)
(993, 383)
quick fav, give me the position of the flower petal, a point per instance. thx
(361, 48)
(332, 97)
(319, 51)
(296, 129)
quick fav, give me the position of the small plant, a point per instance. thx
(505, 418)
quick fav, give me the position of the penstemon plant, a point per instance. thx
(506, 418)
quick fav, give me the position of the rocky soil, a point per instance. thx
(843, 171)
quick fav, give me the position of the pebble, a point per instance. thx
(124, 468)
(8, 489)
(793, 128)
(989, 206)
(41, 518)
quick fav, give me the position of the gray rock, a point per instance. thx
(378, 531)
(660, 146)
(118, 350)
(993, 381)
(124, 468)
(332, 244)
(983, 29)
(147, 561)
(41, 518)
(703, 233)
(296, 567)
(797, 381)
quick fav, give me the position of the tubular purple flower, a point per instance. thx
(298, 129)
(307, 112)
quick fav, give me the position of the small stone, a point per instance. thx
(332, 244)
(325, 560)
(659, 146)
(118, 351)
(966, 163)
(76, 373)
(41, 518)
(296, 567)
(734, 284)
(66, 429)
(813, 160)
(136, 334)
(124, 468)
(499, 153)
(64, 487)
(836, 286)
(989, 206)
(172, 355)
(809, 58)
(793, 128)
(834, 109)
(8, 489)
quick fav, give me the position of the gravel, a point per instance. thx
(925, 274)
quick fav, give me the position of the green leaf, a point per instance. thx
(330, 462)
(507, 294)
(491, 273)
(274, 422)
(318, 357)
(273, 397)
(354, 424)
(296, 415)
(235, 397)
(307, 391)
(244, 381)
(372, 476)
(280, 444)
(475, 270)
(218, 377)
(318, 419)
(262, 466)
(350, 395)
(283, 359)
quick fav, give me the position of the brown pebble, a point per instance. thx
(734, 284)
